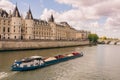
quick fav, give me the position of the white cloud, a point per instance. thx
(7, 5)
(80, 3)
(108, 8)
(86, 14)
(47, 13)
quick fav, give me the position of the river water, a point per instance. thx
(101, 62)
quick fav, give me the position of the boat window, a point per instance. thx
(15, 65)
(36, 64)
(31, 64)
(24, 65)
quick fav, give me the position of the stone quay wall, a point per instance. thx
(22, 45)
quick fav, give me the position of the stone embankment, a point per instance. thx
(24, 45)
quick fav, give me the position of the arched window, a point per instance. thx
(4, 15)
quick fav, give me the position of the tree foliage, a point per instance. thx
(93, 38)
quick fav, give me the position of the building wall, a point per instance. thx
(4, 28)
(15, 28)
(42, 30)
(29, 29)
(53, 30)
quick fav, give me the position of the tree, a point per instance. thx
(104, 37)
(93, 38)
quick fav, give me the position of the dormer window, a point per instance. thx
(16, 13)
(3, 13)
(4, 16)
(29, 14)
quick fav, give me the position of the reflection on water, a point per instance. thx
(98, 63)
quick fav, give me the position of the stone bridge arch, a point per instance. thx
(117, 42)
(108, 42)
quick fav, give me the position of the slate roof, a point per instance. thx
(3, 12)
(16, 12)
(29, 15)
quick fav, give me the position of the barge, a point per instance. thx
(35, 62)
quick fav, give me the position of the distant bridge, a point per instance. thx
(115, 42)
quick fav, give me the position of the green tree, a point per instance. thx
(93, 38)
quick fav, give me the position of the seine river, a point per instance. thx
(101, 62)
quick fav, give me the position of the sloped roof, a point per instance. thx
(29, 14)
(3, 12)
(51, 19)
(16, 12)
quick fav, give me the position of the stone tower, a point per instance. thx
(53, 27)
(16, 24)
(4, 25)
(29, 26)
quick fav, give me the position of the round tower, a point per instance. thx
(29, 26)
(16, 24)
(53, 27)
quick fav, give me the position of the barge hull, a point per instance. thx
(48, 63)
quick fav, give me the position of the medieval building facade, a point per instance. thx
(15, 27)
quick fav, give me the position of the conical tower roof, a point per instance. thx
(29, 14)
(51, 18)
(16, 12)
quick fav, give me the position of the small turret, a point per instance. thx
(10, 15)
(29, 14)
(51, 19)
(16, 12)
(29, 25)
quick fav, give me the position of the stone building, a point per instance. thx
(15, 27)
(82, 35)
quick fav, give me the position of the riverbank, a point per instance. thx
(28, 45)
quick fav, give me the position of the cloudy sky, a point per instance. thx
(98, 16)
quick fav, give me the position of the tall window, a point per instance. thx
(4, 22)
(3, 29)
(8, 29)
(29, 37)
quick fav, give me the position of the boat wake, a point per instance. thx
(5, 74)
